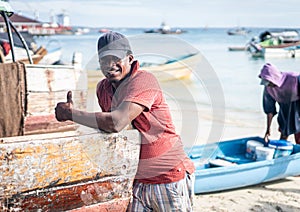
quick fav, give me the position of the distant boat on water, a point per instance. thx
(275, 43)
(238, 31)
(237, 48)
(104, 30)
(174, 69)
(165, 29)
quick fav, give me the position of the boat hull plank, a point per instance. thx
(28, 104)
(42, 78)
(47, 85)
(108, 193)
(40, 161)
(12, 86)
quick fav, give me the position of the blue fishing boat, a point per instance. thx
(227, 164)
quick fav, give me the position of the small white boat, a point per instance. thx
(41, 56)
(238, 31)
(237, 48)
(165, 29)
(275, 43)
(289, 50)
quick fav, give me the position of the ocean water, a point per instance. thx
(224, 89)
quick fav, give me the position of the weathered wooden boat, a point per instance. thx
(225, 165)
(48, 165)
(69, 171)
(46, 55)
(174, 69)
(29, 95)
(56, 166)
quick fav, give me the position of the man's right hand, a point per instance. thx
(63, 110)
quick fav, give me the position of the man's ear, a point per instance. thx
(130, 59)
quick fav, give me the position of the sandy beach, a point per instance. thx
(281, 195)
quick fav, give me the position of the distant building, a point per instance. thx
(63, 19)
(22, 23)
(35, 27)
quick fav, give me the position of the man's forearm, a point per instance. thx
(106, 121)
(99, 120)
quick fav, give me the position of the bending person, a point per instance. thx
(281, 88)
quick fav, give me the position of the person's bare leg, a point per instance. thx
(284, 137)
(297, 138)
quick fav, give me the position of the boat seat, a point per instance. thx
(39, 54)
(220, 163)
(238, 159)
(41, 51)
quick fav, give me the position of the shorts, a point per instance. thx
(176, 196)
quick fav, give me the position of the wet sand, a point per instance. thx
(282, 195)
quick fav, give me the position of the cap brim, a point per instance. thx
(264, 82)
(118, 53)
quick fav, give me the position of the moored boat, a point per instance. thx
(226, 165)
(174, 69)
(165, 29)
(56, 166)
(180, 68)
(48, 165)
(237, 48)
(238, 31)
(288, 50)
(275, 43)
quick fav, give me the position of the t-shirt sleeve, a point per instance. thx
(104, 100)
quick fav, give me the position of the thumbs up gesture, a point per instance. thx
(69, 98)
(63, 110)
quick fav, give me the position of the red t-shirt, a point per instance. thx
(162, 157)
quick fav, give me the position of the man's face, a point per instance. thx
(114, 68)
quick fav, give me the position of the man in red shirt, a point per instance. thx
(128, 95)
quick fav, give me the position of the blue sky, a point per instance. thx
(180, 13)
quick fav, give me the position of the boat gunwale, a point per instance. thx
(245, 166)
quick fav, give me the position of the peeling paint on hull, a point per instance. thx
(68, 171)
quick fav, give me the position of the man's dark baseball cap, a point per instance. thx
(113, 43)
